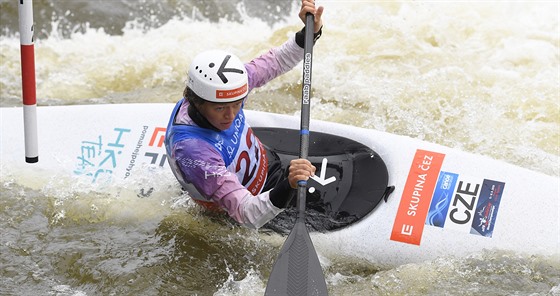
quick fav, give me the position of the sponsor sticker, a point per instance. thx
(446, 200)
(152, 151)
(487, 208)
(416, 198)
(441, 200)
(99, 156)
(117, 151)
(466, 204)
(231, 93)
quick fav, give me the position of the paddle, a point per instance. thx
(297, 270)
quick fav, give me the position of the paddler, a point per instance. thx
(212, 150)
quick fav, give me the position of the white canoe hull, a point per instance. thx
(108, 143)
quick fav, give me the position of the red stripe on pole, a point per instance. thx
(28, 74)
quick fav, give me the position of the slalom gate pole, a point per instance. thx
(25, 8)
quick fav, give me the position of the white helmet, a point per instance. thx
(218, 76)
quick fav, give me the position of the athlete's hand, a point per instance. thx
(300, 169)
(309, 6)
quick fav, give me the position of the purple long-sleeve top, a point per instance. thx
(203, 166)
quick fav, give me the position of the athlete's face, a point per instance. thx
(220, 115)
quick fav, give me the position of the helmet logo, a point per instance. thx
(223, 69)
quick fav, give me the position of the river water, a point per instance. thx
(482, 77)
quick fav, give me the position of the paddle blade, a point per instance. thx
(297, 271)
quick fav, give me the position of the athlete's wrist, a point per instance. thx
(281, 195)
(300, 36)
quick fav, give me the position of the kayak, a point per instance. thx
(376, 196)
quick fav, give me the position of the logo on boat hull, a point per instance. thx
(101, 157)
(417, 194)
(458, 202)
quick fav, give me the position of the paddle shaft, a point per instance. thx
(305, 108)
(297, 271)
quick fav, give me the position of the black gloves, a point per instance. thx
(282, 194)
(300, 37)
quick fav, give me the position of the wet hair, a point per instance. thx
(193, 98)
